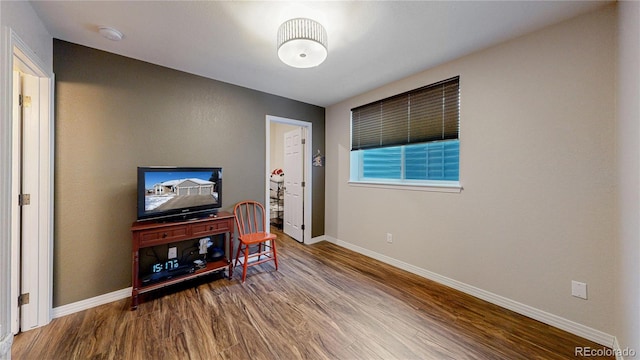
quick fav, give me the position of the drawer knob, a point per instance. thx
(164, 235)
(210, 228)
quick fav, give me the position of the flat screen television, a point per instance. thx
(178, 193)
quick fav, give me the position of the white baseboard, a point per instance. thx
(90, 303)
(621, 353)
(316, 239)
(116, 295)
(523, 309)
(616, 348)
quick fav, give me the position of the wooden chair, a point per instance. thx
(252, 225)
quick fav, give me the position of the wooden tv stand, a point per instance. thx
(152, 233)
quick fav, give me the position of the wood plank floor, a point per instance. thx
(324, 302)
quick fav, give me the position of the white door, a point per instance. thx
(28, 183)
(293, 183)
(16, 218)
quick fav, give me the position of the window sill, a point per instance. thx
(440, 186)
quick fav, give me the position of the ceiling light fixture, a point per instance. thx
(110, 33)
(302, 43)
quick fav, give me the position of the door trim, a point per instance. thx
(307, 168)
(28, 62)
(6, 116)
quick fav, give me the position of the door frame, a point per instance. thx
(306, 127)
(17, 54)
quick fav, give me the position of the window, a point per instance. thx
(411, 138)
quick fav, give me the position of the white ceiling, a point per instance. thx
(371, 43)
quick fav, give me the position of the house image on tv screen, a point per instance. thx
(180, 193)
(185, 187)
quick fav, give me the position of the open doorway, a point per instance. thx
(31, 224)
(288, 180)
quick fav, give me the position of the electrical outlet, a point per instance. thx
(579, 289)
(389, 238)
(173, 253)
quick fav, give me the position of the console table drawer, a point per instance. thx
(209, 227)
(148, 238)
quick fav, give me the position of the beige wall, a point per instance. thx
(627, 299)
(538, 171)
(114, 114)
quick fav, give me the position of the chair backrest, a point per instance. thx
(250, 217)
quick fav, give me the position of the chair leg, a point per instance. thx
(246, 260)
(238, 254)
(275, 255)
(260, 250)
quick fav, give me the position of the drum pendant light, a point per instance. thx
(302, 43)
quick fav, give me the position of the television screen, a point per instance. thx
(182, 192)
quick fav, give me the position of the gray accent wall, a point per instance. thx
(114, 114)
